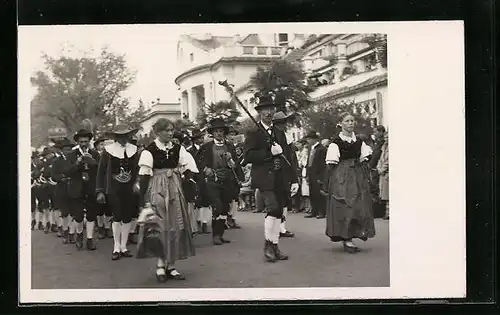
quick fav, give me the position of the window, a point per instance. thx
(191, 57)
(282, 39)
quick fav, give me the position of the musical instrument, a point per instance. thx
(277, 162)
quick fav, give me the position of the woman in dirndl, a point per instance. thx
(162, 165)
(347, 184)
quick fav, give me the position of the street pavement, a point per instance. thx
(314, 261)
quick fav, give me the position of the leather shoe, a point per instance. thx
(178, 276)
(310, 216)
(278, 254)
(115, 256)
(126, 254)
(287, 234)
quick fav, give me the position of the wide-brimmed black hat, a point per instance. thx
(312, 135)
(196, 134)
(263, 102)
(63, 143)
(217, 123)
(122, 130)
(83, 133)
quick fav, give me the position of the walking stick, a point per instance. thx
(230, 90)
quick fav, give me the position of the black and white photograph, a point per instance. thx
(229, 158)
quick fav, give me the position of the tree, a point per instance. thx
(285, 82)
(183, 124)
(72, 89)
(223, 109)
(379, 43)
(323, 118)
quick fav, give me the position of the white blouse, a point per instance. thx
(186, 160)
(333, 152)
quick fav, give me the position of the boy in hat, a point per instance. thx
(316, 168)
(217, 160)
(59, 175)
(271, 174)
(81, 187)
(116, 175)
(202, 202)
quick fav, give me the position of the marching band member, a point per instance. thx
(161, 165)
(59, 174)
(104, 215)
(202, 201)
(275, 179)
(217, 159)
(116, 176)
(35, 175)
(81, 187)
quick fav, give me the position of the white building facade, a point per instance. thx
(170, 111)
(205, 60)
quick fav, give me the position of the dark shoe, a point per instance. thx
(278, 254)
(204, 228)
(126, 254)
(65, 237)
(223, 240)
(33, 224)
(320, 217)
(217, 240)
(91, 244)
(161, 278)
(178, 276)
(59, 231)
(47, 228)
(54, 228)
(287, 234)
(79, 240)
(351, 249)
(269, 254)
(310, 216)
(115, 256)
(71, 239)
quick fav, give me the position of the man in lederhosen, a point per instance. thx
(202, 202)
(35, 187)
(271, 174)
(104, 215)
(59, 175)
(217, 160)
(81, 187)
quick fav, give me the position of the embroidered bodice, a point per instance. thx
(164, 157)
(348, 150)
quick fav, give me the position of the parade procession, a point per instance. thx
(238, 184)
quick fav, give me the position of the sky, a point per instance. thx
(150, 50)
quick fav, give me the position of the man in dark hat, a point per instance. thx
(104, 215)
(316, 167)
(216, 159)
(60, 176)
(273, 174)
(202, 201)
(116, 175)
(81, 187)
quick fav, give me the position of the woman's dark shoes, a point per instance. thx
(115, 256)
(278, 254)
(126, 254)
(287, 234)
(351, 249)
(175, 275)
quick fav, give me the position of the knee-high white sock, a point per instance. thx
(100, 221)
(107, 222)
(45, 218)
(72, 226)
(124, 236)
(90, 229)
(57, 218)
(65, 223)
(276, 231)
(79, 227)
(117, 229)
(133, 225)
(283, 222)
(202, 216)
(268, 227)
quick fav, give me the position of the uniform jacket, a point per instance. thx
(257, 151)
(204, 158)
(76, 187)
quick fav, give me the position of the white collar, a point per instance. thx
(117, 150)
(347, 138)
(162, 146)
(314, 145)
